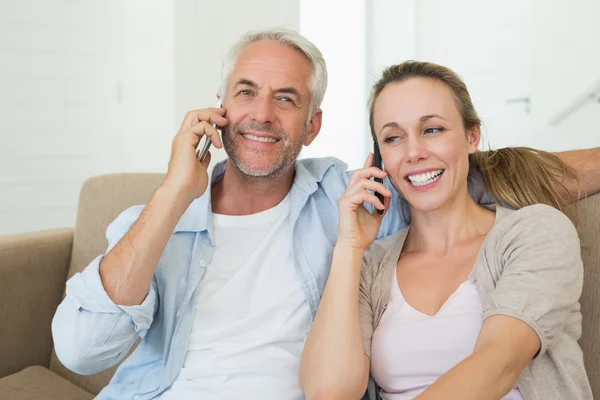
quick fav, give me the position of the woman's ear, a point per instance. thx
(474, 136)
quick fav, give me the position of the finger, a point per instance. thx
(386, 205)
(211, 115)
(204, 128)
(369, 161)
(358, 199)
(369, 185)
(373, 186)
(366, 173)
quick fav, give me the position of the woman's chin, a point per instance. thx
(424, 203)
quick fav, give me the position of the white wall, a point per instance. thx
(339, 30)
(146, 84)
(101, 86)
(58, 125)
(566, 68)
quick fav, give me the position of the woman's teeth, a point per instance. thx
(425, 178)
(259, 138)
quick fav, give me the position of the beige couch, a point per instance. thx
(35, 266)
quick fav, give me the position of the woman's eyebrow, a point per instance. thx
(430, 116)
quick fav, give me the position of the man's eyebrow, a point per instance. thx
(289, 90)
(246, 82)
(430, 116)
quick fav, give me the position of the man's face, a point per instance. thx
(267, 102)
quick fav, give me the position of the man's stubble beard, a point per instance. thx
(285, 159)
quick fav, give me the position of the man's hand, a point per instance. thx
(187, 176)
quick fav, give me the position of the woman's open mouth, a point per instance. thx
(425, 178)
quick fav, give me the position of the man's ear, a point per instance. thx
(314, 126)
(474, 137)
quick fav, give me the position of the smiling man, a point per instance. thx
(220, 275)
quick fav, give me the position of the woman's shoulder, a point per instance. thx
(533, 218)
(534, 224)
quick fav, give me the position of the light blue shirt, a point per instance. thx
(91, 333)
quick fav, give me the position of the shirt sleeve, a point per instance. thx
(86, 288)
(92, 333)
(542, 275)
(365, 308)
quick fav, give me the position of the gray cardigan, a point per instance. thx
(528, 267)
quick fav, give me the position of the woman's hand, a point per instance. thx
(358, 227)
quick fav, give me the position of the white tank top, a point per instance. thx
(411, 350)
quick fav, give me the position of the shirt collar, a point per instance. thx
(198, 216)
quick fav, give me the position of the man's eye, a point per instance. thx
(286, 99)
(245, 92)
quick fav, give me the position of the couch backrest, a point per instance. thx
(588, 226)
(101, 200)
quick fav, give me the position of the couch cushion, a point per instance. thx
(38, 383)
(588, 225)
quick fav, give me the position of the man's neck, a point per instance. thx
(240, 194)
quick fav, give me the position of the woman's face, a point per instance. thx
(423, 142)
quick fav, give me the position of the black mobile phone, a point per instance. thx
(377, 162)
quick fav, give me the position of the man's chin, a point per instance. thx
(257, 170)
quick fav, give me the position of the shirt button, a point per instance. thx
(137, 396)
(203, 263)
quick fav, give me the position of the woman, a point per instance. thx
(466, 302)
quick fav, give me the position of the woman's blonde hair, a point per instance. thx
(515, 176)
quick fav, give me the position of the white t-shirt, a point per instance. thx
(251, 317)
(411, 350)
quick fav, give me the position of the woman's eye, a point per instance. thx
(433, 130)
(391, 139)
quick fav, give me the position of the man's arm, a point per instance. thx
(127, 270)
(114, 299)
(587, 164)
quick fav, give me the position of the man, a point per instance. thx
(222, 276)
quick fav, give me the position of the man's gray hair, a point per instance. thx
(288, 37)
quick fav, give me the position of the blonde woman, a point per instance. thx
(466, 302)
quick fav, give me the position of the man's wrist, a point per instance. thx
(172, 199)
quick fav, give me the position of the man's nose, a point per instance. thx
(263, 112)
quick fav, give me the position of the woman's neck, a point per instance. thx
(458, 221)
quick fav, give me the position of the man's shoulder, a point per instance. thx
(322, 171)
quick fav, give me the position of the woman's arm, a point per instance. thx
(524, 315)
(334, 365)
(587, 164)
(504, 347)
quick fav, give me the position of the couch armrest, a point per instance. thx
(33, 270)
